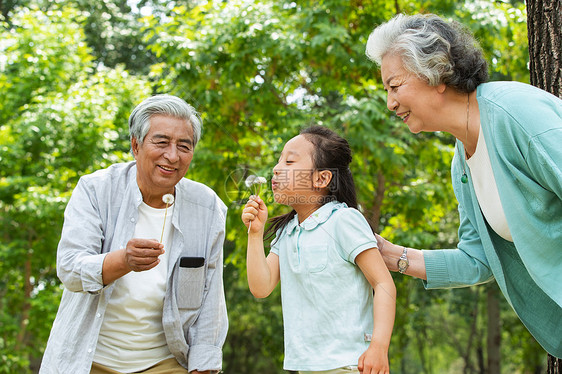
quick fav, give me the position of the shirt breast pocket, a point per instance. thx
(315, 257)
(190, 287)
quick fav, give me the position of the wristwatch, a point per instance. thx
(403, 262)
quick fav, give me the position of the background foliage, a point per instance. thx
(258, 71)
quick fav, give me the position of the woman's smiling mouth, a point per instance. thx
(404, 116)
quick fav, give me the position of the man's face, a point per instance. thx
(163, 158)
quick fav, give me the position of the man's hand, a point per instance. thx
(142, 254)
(139, 255)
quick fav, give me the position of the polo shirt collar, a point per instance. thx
(320, 216)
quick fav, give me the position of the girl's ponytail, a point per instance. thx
(332, 152)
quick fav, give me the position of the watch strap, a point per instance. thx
(403, 262)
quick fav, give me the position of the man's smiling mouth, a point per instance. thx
(166, 168)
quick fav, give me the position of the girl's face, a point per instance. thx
(292, 181)
(413, 100)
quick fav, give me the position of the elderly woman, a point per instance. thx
(506, 172)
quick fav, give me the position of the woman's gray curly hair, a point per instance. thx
(433, 49)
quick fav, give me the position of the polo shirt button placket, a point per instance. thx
(298, 246)
(295, 247)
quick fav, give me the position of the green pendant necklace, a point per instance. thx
(464, 177)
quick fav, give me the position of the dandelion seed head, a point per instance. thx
(168, 198)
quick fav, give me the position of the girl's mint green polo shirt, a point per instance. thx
(327, 302)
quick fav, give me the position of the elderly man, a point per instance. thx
(143, 293)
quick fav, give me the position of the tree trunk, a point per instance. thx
(544, 26)
(494, 330)
(28, 288)
(375, 212)
(554, 365)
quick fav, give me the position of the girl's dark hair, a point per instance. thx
(333, 153)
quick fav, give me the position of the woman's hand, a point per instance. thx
(254, 215)
(392, 252)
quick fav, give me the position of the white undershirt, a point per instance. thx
(487, 190)
(132, 337)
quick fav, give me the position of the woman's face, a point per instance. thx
(413, 100)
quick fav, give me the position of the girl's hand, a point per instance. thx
(255, 212)
(374, 361)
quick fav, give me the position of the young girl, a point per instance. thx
(326, 257)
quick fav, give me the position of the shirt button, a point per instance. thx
(98, 315)
(132, 220)
(90, 350)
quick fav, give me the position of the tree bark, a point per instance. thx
(544, 27)
(375, 212)
(494, 330)
(554, 365)
(26, 308)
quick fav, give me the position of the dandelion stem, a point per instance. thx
(164, 225)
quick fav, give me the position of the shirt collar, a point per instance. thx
(320, 216)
